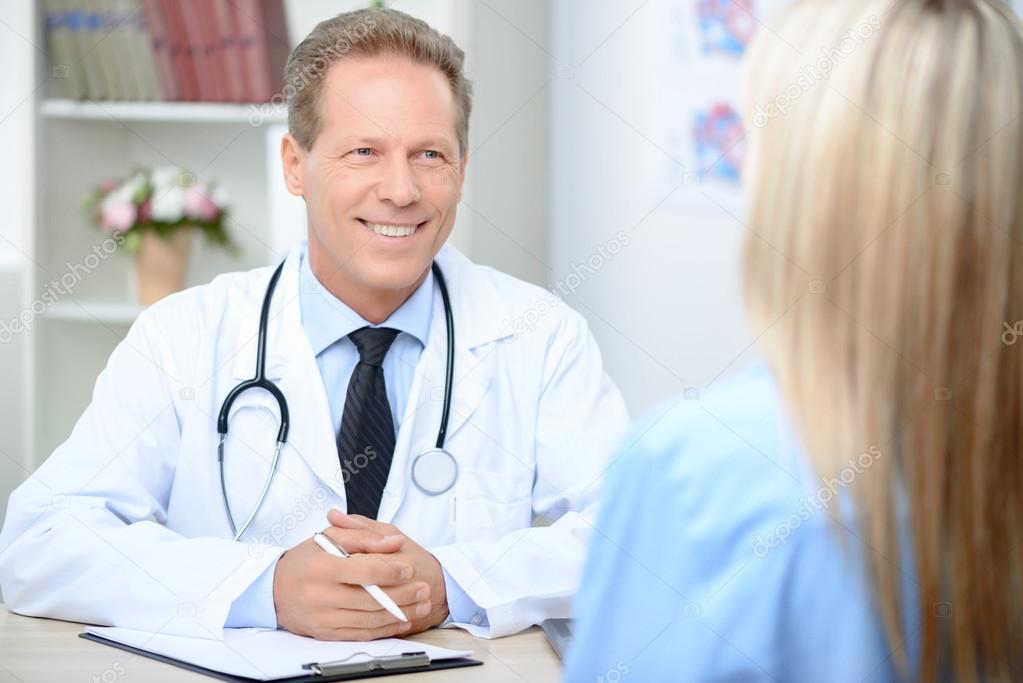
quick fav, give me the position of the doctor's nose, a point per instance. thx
(398, 184)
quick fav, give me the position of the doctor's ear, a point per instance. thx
(293, 163)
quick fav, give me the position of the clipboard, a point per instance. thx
(329, 671)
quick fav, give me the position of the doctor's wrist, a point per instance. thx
(438, 595)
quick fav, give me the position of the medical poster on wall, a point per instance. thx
(699, 59)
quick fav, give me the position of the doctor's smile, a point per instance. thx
(391, 229)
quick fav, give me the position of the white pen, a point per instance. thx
(374, 590)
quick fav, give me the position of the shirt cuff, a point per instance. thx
(461, 608)
(254, 608)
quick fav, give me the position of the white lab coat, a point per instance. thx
(124, 524)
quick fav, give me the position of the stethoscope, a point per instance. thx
(434, 471)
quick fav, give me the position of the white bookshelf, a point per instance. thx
(113, 313)
(163, 112)
(80, 144)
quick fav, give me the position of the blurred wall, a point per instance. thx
(505, 201)
(665, 307)
(17, 115)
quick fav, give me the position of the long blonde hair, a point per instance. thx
(884, 267)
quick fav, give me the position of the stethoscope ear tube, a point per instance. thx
(237, 533)
(258, 382)
(449, 370)
(438, 459)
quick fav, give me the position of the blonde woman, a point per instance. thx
(852, 508)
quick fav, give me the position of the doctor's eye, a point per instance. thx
(362, 152)
(431, 156)
(361, 156)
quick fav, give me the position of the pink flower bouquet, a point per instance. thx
(162, 200)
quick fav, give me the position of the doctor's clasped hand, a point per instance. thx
(320, 596)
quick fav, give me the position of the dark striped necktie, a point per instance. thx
(365, 442)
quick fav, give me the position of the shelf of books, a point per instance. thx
(171, 50)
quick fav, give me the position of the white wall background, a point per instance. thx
(19, 46)
(666, 309)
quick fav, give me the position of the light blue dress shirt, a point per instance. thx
(714, 559)
(327, 321)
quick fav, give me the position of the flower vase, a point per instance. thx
(161, 264)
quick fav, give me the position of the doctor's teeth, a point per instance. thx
(392, 230)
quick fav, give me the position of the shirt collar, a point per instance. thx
(326, 319)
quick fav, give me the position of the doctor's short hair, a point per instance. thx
(369, 32)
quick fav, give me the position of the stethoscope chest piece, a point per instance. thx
(434, 471)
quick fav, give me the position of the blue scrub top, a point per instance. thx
(714, 557)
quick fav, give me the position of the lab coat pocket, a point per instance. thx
(489, 504)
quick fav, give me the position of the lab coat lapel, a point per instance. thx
(292, 365)
(312, 429)
(477, 309)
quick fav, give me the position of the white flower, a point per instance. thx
(168, 202)
(126, 191)
(220, 196)
(166, 177)
(169, 206)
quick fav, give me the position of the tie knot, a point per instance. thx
(373, 343)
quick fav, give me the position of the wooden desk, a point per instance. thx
(43, 650)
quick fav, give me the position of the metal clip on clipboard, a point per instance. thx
(407, 661)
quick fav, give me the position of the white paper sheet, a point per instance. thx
(262, 653)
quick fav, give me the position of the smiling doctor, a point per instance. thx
(126, 523)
